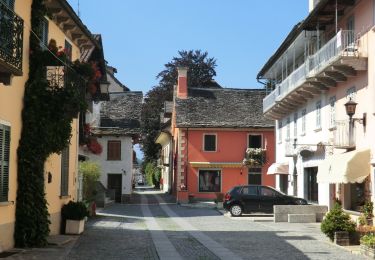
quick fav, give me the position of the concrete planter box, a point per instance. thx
(74, 227)
(368, 251)
(342, 238)
(219, 205)
(281, 211)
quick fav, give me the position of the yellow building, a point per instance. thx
(60, 170)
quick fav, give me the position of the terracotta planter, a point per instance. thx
(74, 227)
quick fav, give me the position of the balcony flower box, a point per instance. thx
(254, 157)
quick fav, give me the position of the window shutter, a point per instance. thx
(4, 162)
(114, 150)
(65, 172)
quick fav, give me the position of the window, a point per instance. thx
(288, 129)
(114, 151)
(209, 181)
(350, 27)
(332, 114)
(250, 190)
(43, 34)
(267, 192)
(351, 93)
(255, 141)
(303, 121)
(68, 50)
(209, 142)
(295, 124)
(318, 114)
(65, 172)
(255, 176)
(280, 126)
(4, 162)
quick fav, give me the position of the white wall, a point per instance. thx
(116, 167)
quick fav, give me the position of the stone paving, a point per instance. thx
(155, 228)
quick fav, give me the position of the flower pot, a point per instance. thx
(342, 238)
(74, 227)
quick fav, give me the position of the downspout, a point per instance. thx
(187, 158)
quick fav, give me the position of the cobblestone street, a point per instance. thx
(153, 227)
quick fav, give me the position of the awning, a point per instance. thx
(216, 164)
(278, 168)
(348, 167)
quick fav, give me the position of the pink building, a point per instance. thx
(212, 128)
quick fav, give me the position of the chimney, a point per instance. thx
(182, 89)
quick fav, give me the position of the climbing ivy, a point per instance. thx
(46, 129)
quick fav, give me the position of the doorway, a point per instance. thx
(115, 183)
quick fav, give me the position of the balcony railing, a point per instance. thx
(342, 45)
(342, 138)
(11, 41)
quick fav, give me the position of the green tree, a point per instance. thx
(200, 74)
(90, 173)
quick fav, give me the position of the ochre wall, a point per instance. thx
(11, 103)
(53, 164)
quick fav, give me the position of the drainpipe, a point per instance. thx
(187, 158)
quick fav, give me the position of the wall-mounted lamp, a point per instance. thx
(350, 108)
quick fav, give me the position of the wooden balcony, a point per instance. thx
(339, 59)
(11, 44)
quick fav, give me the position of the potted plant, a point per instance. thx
(337, 225)
(74, 214)
(368, 209)
(368, 245)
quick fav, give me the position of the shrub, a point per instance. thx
(368, 240)
(337, 220)
(368, 208)
(74, 211)
(90, 173)
(153, 174)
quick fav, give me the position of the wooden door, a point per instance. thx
(115, 183)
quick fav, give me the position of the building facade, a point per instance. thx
(66, 29)
(212, 130)
(325, 62)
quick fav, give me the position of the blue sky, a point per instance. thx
(140, 36)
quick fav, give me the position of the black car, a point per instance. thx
(256, 198)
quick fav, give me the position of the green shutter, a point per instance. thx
(4, 162)
(11, 4)
(65, 172)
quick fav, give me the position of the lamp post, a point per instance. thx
(350, 107)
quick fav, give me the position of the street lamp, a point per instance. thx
(350, 107)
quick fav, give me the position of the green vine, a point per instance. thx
(46, 129)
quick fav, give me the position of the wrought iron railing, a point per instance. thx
(343, 44)
(342, 136)
(11, 38)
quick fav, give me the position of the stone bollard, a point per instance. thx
(342, 238)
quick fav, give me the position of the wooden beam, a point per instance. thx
(338, 77)
(346, 70)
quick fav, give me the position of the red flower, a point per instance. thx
(94, 146)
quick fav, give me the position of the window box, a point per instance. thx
(254, 157)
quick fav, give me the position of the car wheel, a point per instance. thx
(236, 210)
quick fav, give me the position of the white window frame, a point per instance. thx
(287, 129)
(318, 113)
(332, 112)
(204, 144)
(303, 120)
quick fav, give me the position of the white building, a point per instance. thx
(325, 61)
